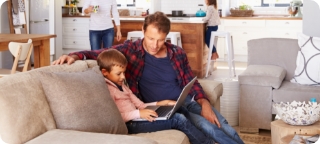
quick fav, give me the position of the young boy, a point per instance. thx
(112, 64)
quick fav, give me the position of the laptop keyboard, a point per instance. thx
(163, 110)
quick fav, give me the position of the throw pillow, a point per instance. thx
(308, 61)
(81, 101)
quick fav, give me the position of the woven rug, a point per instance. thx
(255, 139)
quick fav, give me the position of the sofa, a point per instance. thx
(71, 104)
(266, 80)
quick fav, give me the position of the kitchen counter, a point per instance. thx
(141, 18)
(199, 19)
(264, 17)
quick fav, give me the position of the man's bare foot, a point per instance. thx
(214, 56)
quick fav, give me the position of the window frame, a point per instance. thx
(263, 4)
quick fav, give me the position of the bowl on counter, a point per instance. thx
(298, 113)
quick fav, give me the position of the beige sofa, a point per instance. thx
(271, 66)
(35, 108)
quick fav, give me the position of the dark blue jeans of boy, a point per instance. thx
(177, 121)
(208, 36)
(101, 36)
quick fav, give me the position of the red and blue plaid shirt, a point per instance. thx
(135, 54)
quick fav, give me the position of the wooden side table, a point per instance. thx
(279, 129)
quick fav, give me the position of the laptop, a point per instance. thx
(165, 112)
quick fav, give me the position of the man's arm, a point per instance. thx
(198, 92)
(81, 55)
(65, 58)
(207, 112)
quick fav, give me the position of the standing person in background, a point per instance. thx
(213, 20)
(101, 28)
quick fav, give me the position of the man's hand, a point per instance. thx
(65, 58)
(148, 114)
(166, 103)
(207, 112)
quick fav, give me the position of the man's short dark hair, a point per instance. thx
(159, 20)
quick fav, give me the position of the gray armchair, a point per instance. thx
(271, 65)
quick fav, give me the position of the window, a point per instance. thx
(265, 3)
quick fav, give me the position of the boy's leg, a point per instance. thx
(146, 126)
(177, 121)
(202, 123)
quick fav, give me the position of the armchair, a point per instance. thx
(271, 66)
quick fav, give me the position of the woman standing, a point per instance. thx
(213, 20)
(101, 28)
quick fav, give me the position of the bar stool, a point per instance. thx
(229, 46)
(134, 35)
(174, 37)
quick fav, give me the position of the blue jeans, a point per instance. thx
(224, 135)
(98, 36)
(208, 36)
(177, 121)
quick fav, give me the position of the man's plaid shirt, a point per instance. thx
(135, 54)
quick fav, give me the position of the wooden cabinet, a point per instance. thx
(243, 30)
(283, 28)
(75, 33)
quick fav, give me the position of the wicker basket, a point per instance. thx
(241, 13)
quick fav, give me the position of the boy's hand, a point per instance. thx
(166, 103)
(148, 114)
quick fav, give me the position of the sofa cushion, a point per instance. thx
(308, 58)
(289, 92)
(91, 63)
(74, 67)
(166, 137)
(77, 137)
(263, 75)
(213, 89)
(24, 110)
(81, 101)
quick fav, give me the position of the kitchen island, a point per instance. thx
(192, 30)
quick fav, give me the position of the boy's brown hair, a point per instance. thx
(111, 57)
(159, 20)
(212, 2)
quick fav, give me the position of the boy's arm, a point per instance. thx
(137, 102)
(127, 116)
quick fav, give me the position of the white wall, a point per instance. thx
(188, 6)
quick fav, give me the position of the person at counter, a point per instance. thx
(213, 20)
(158, 70)
(101, 29)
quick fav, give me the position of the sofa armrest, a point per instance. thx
(263, 75)
(213, 90)
(58, 136)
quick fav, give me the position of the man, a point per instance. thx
(158, 70)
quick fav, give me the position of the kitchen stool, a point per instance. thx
(229, 46)
(134, 35)
(174, 37)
